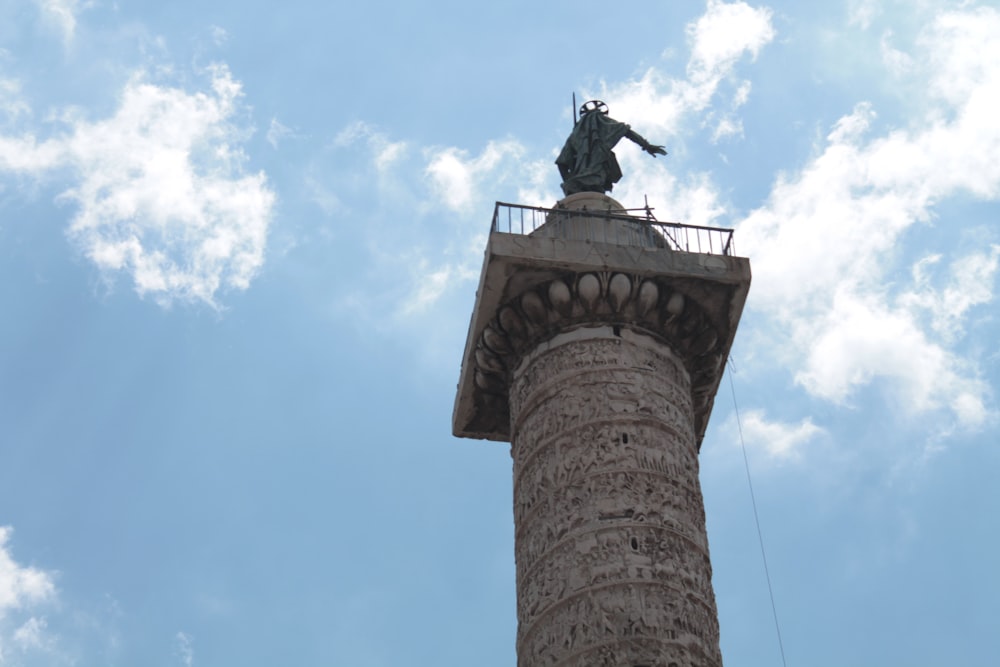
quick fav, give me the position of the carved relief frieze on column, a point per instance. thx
(610, 543)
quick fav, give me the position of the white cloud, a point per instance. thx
(969, 284)
(534, 184)
(896, 61)
(727, 127)
(20, 586)
(456, 177)
(62, 14)
(459, 183)
(823, 244)
(657, 105)
(693, 200)
(964, 51)
(22, 589)
(276, 131)
(160, 189)
(386, 153)
(25, 154)
(11, 104)
(862, 12)
(31, 635)
(434, 261)
(728, 124)
(219, 35)
(723, 35)
(185, 648)
(428, 288)
(780, 440)
(861, 338)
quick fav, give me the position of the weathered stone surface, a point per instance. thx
(610, 543)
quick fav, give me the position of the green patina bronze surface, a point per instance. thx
(587, 162)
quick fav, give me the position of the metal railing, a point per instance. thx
(610, 227)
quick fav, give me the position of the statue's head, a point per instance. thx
(594, 105)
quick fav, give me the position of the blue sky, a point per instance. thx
(239, 247)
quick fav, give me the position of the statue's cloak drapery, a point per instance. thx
(587, 163)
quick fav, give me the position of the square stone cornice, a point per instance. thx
(534, 286)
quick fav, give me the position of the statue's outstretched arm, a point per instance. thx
(645, 145)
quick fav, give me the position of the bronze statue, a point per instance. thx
(587, 163)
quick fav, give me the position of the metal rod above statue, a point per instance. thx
(587, 163)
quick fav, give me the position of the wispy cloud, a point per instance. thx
(31, 634)
(780, 440)
(12, 105)
(718, 40)
(219, 35)
(661, 107)
(276, 131)
(20, 586)
(62, 14)
(24, 591)
(968, 282)
(160, 188)
(385, 152)
(862, 12)
(458, 179)
(724, 34)
(185, 648)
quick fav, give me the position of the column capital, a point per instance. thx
(536, 286)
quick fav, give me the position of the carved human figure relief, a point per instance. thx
(610, 544)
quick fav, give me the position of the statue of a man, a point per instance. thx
(587, 163)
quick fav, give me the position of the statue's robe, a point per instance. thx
(587, 163)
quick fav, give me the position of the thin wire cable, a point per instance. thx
(756, 518)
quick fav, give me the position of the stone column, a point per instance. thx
(610, 542)
(595, 348)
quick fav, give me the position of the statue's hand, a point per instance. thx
(655, 150)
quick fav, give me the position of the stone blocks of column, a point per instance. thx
(610, 544)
